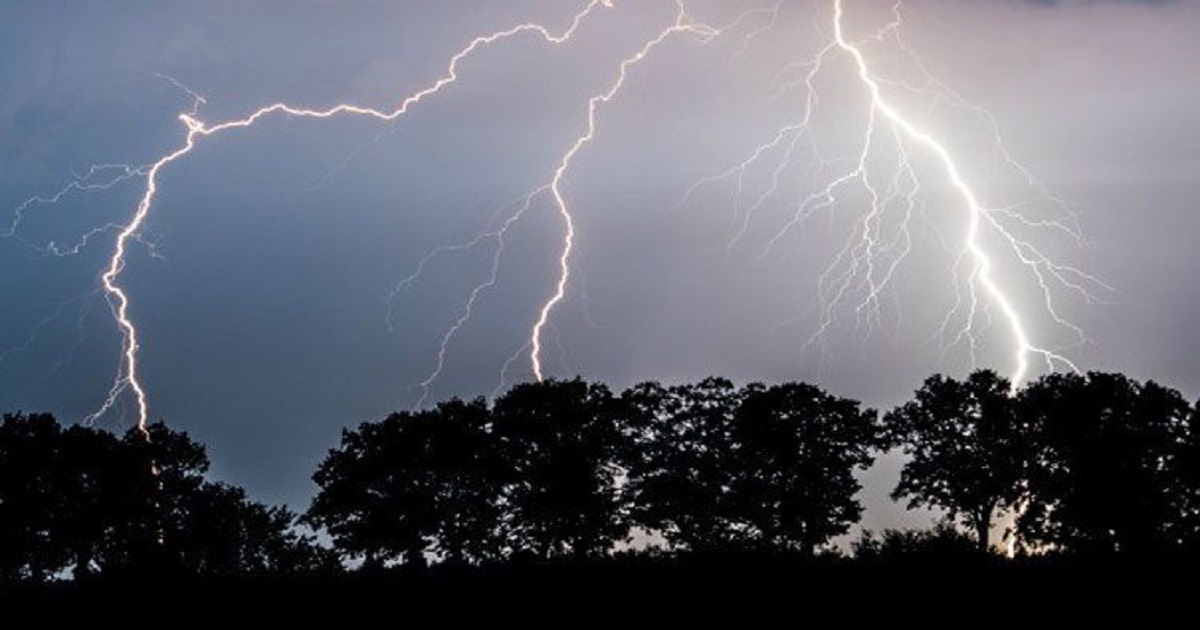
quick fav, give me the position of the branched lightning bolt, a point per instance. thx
(535, 344)
(128, 377)
(84, 299)
(867, 263)
(97, 177)
(681, 25)
(883, 170)
(464, 315)
(982, 273)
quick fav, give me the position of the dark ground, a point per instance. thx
(740, 591)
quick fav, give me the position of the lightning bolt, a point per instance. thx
(96, 178)
(128, 376)
(535, 345)
(990, 250)
(978, 214)
(705, 33)
(464, 314)
(866, 264)
(682, 25)
(84, 300)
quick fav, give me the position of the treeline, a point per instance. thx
(79, 502)
(573, 472)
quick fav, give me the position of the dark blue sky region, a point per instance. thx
(261, 283)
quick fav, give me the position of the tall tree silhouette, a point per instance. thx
(28, 497)
(87, 482)
(681, 462)
(559, 441)
(165, 518)
(466, 462)
(153, 480)
(86, 501)
(225, 533)
(413, 484)
(1187, 531)
(798, 450)
(1105, 475)
(966, 447)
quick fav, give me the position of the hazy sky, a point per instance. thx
(261, 287)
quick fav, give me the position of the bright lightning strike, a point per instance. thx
(128, 377)
(857, 280)
(868, 262)
(681, 25)
(464, 314)
(95, 178)
(982, 273)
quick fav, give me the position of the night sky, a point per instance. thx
(261, 282)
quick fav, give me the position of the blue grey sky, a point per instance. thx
(261, 283)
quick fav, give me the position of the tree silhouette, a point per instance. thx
(1106, 470)
(228, 534)
(466, 461)
(798, 448)
(681, 460)
(966, 447)
(413, 484)
(165, 518)
(942, 541)
(28, 498)
(558, 442)
(153, 480)
(563, 469)
(88, 486)
(87, 502)
(1187, 530)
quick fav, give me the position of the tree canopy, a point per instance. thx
(1108, 465)
(680, 457)
(799, 448)
(413, 484)
(83, 501)
(966, 447)
(566, 470)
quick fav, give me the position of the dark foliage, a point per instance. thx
(29, 502)
(799, 448)
(558, 474)
(81, 501)
(1110, 465)
(966, 446)
(416, 483)
(557, 442)
(941, 542)
(1188, 465)
(681, 462)
(713, 468)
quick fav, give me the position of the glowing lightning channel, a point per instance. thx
(128, 378)
(681, 25)
(464, 315)
(93, 179)
(978, 214)
(867, 263)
